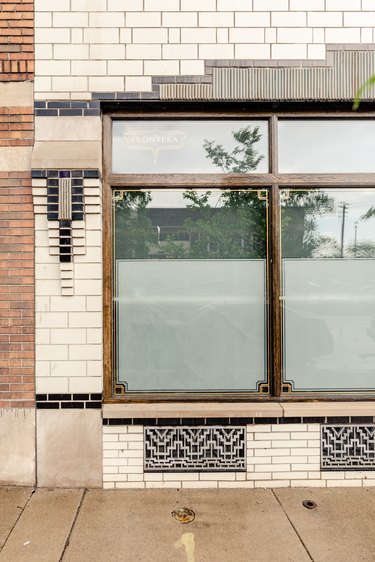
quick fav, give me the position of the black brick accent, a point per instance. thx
(61, 108)
(69, 401)
(290, 420)
(58, 104)
(47, 405)
(70, 112)
(265, 420)
(46, 112)
(91, 174)
(311, 419)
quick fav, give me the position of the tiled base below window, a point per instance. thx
(276, 456)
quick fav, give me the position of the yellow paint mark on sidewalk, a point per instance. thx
(187, 540)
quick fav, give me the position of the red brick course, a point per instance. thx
(17, 378)
(16, 126)
(16, 40)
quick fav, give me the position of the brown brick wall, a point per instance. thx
(17, 380)
(16, 40)
(17, 340)
(16, 126)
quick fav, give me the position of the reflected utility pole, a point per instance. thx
(355, 238)
(344, 207)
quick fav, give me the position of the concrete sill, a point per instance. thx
(239, 410)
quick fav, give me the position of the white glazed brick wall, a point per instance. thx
(69, 332)
(84, 46)
(277, 456)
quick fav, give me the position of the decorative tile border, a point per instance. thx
(68, 401)
(177, 421)
(348, 447)
(86, 174)
(192, 449)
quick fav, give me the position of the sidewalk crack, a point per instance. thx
(72, 526)
(293, 526)
(18, 518)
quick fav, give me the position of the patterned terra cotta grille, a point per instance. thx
(193, 449)
(348, 447)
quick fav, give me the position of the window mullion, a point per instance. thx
(275, 293)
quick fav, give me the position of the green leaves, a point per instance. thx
(359, 93)
(369, 214)
(243, 158)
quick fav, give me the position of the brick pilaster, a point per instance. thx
(17, 380)
(16, 40)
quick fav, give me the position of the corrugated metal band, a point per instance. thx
(350, 70)
(186, 91)
(65, 199)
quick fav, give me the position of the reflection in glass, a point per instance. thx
(328, 250)
(190, 289)
(144, 147)
(326, 146)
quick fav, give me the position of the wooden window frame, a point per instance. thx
(275, 182)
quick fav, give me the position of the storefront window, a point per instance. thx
(241, 256)
(190, 273)
(328, 250)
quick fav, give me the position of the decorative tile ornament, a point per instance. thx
(66, 197)
(194, 449)
(348, 447)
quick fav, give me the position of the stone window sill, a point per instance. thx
(239, 410)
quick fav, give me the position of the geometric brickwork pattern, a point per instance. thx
(336, 78)
(348, 447)
(66, 197)
(194, 449)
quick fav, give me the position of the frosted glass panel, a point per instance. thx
(192, 325)
(322, 146)
(329, 323)
(147, 147)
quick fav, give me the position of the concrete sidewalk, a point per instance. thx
(53, 525)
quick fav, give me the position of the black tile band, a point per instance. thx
(69, 401)
(236, 421)
(55, 174)
(67, 108)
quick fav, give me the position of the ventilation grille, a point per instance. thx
(348, 447)
(194, 449)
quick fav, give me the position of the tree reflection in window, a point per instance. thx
(211, 224)
(324, 223)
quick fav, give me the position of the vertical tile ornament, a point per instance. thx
(60, 194)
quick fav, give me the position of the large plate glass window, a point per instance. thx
(328, 260)
(242, 257)
(190, 289)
